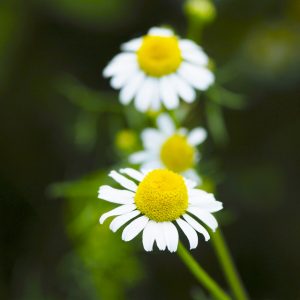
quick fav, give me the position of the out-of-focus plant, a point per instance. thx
(10, 36)
(96, 13)
(112, 264)
(273, 51)
(155, 72)
(293, 10)
(126, 141)
(199, 13)
(92, 106)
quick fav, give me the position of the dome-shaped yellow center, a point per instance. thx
(177, 154)
(159, 55)
(162, 196)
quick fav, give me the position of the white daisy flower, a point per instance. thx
(159, 68)
(171, 148)
(157, 203)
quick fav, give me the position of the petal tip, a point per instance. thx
(104, 73)
(112, 228)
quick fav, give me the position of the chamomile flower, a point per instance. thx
(157, 203)
(171, 148)
(159, 68)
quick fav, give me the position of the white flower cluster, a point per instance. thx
(156, 71)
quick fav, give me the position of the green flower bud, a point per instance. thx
(126, 140)
(202, 11)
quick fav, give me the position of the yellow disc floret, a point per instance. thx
(177, 154)
(159, 55)
(162, 196)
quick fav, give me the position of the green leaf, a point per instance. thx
(216, 124)
(226, 98)
(85, 98)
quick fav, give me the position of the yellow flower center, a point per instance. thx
(159, 55)
(162, 196)
(177, 154)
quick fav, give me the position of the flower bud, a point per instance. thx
(202, 11)
(126, 140)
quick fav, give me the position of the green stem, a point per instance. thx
(216, 123)
(195, 29)
(201, 275)
(227, 264)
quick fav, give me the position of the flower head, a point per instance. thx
(171, 148)
(157, 203)
(159, 68)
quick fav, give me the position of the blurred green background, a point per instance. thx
(59, 120)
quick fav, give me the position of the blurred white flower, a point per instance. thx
(171, 148)
(159, 68)
(153, 202)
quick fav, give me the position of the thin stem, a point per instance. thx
(201, 275)
(227, 264)
(195, 29)
(216, 123)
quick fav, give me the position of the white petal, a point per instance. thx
(190, 183)
(115, 196)
(184, 90)
(198, 227)
(133, 173)
(152, 165)
(199, 77)
(145, 172)
(197, 136)
(121, 220)
(210, 206)
(182, 131)
(119, 80)
(144, 95)
(195, 56)
(192, 175)
(166, 124)
(132, 45)
(119, 64)
(123, 209)
(160, 237)
(140, 157)
(125, 182)
(171, 236)
(189, 232)
(188, 45)
(152, 139)
(168, 93)
(122, 70)
(134, 228)
(159, 31)
(129, 90)
(196, 195)
(155, 102)
(204, 216)
(149, 235)
(200, 194)
(204, 200)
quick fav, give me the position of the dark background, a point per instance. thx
(50, 50)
